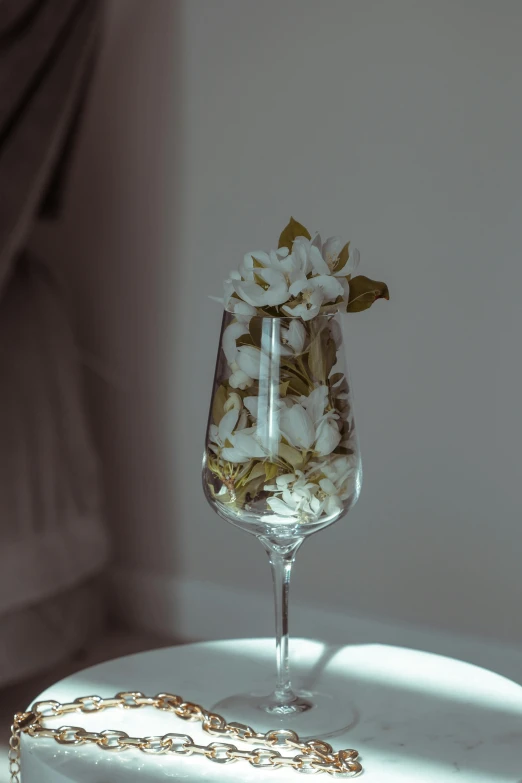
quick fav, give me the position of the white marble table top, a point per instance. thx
(421, 718)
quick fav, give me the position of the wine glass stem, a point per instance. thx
(281, 561)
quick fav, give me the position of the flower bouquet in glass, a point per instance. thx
(282, 459)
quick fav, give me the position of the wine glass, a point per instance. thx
(281, 461)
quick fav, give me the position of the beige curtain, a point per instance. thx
(52, 538)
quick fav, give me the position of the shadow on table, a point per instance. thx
(434, 715)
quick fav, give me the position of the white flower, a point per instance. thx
(274, 292)
(306, 425)
(220, 434)
(328, 437)
(333, 504)
(312, 293)
(308, 256)
(315, 403)
(248, 359)
(244, 447)
(324, 257)
(232, 441)
(238, 307)
(233, 331)
(293, 338)
(275, 259)
(239, 379)
(298, 497)
(251, 404)
(297, 427)
(233, 402)
(339, 470)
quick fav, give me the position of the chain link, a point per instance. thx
(313, 756)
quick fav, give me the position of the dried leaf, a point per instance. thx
(283, 388)
(218, 404)
(322, 355)
(260, 282)
(298, 386)
(343, 450)
(245, 339)
(335, 378)
(364, 292)
(257, 471)
(271, 470)
(255, 328)
(290, 455)
(290, 232)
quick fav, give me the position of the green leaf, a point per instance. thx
(331, 354)
(364, 292)
(290, 455)
(283, 388)
(298, 386)
(271, 470)
(322, 355)
(257, 471)
(290, 232)
(342, 259)
(218, 405)
(245, 339)
(255, 328)
(252, 488)
(315, 358)
(343, 450)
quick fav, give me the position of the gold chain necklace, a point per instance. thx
(314, 755)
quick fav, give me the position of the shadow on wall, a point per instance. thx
(115, 247)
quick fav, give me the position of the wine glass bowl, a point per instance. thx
(281, 458)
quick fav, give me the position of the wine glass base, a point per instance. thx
(312, 715)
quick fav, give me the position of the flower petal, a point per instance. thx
(285, 480)
(318, 263)
(251, 293)
(301, 252)
(277, 505)
(241, 308)
(230, 335)
(248, 445)
(333, 505)
(316, 506)
(233, 402)
(327, 486)
(249, 360)
(240, 380)
(330, 286)
(231, 454)
(331, 249)
(315, 403)
(296, 336)
(297, 427)
(328, 437)
(300, 285)
(227, 424)
(251, 404)
(316, 242)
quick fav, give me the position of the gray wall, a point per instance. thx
(395, 124)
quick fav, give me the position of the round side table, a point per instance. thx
(421, 718)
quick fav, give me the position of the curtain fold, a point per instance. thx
(53, 540)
